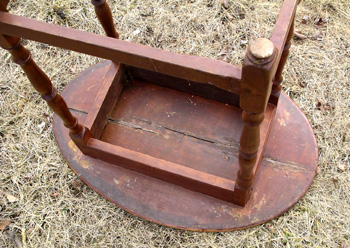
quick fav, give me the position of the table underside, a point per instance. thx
(200, 134)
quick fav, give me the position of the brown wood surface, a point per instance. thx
(176, 127)
(176, 174)
(256, 84)
(208, 91)
(105, 100)
(202, 70)
(255, 91)
(286, 171)
(42, 84)
(104, 15)
(276, 88)
(284, 23)
(171, 126)
(3, 5)
(207, 143)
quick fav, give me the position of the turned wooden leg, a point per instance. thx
(104, 15)
(3, 5)
(276, 88)
(255, 91)
(43, 85)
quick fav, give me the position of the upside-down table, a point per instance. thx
(180, 140)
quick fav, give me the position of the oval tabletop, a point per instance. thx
(286, 172)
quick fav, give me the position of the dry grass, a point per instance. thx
(50, 212)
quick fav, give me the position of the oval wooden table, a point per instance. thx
(287, 170)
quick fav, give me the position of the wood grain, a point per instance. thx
(42, 84)
(281, 179)
(198, 69)
(257, 75)
(105, 100)
(168, 125)
(276, 87)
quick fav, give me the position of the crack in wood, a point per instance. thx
(127, 124)
(79, 111)
(286, 165)
(234, 146)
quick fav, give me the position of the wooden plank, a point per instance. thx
(284, 22)
(195, 180)
(177, 127)
(265, 129)
(90, 85)
(105, 99)
(199, 89)
(282, 36)
(203, 70)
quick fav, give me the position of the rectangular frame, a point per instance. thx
(219, 75)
